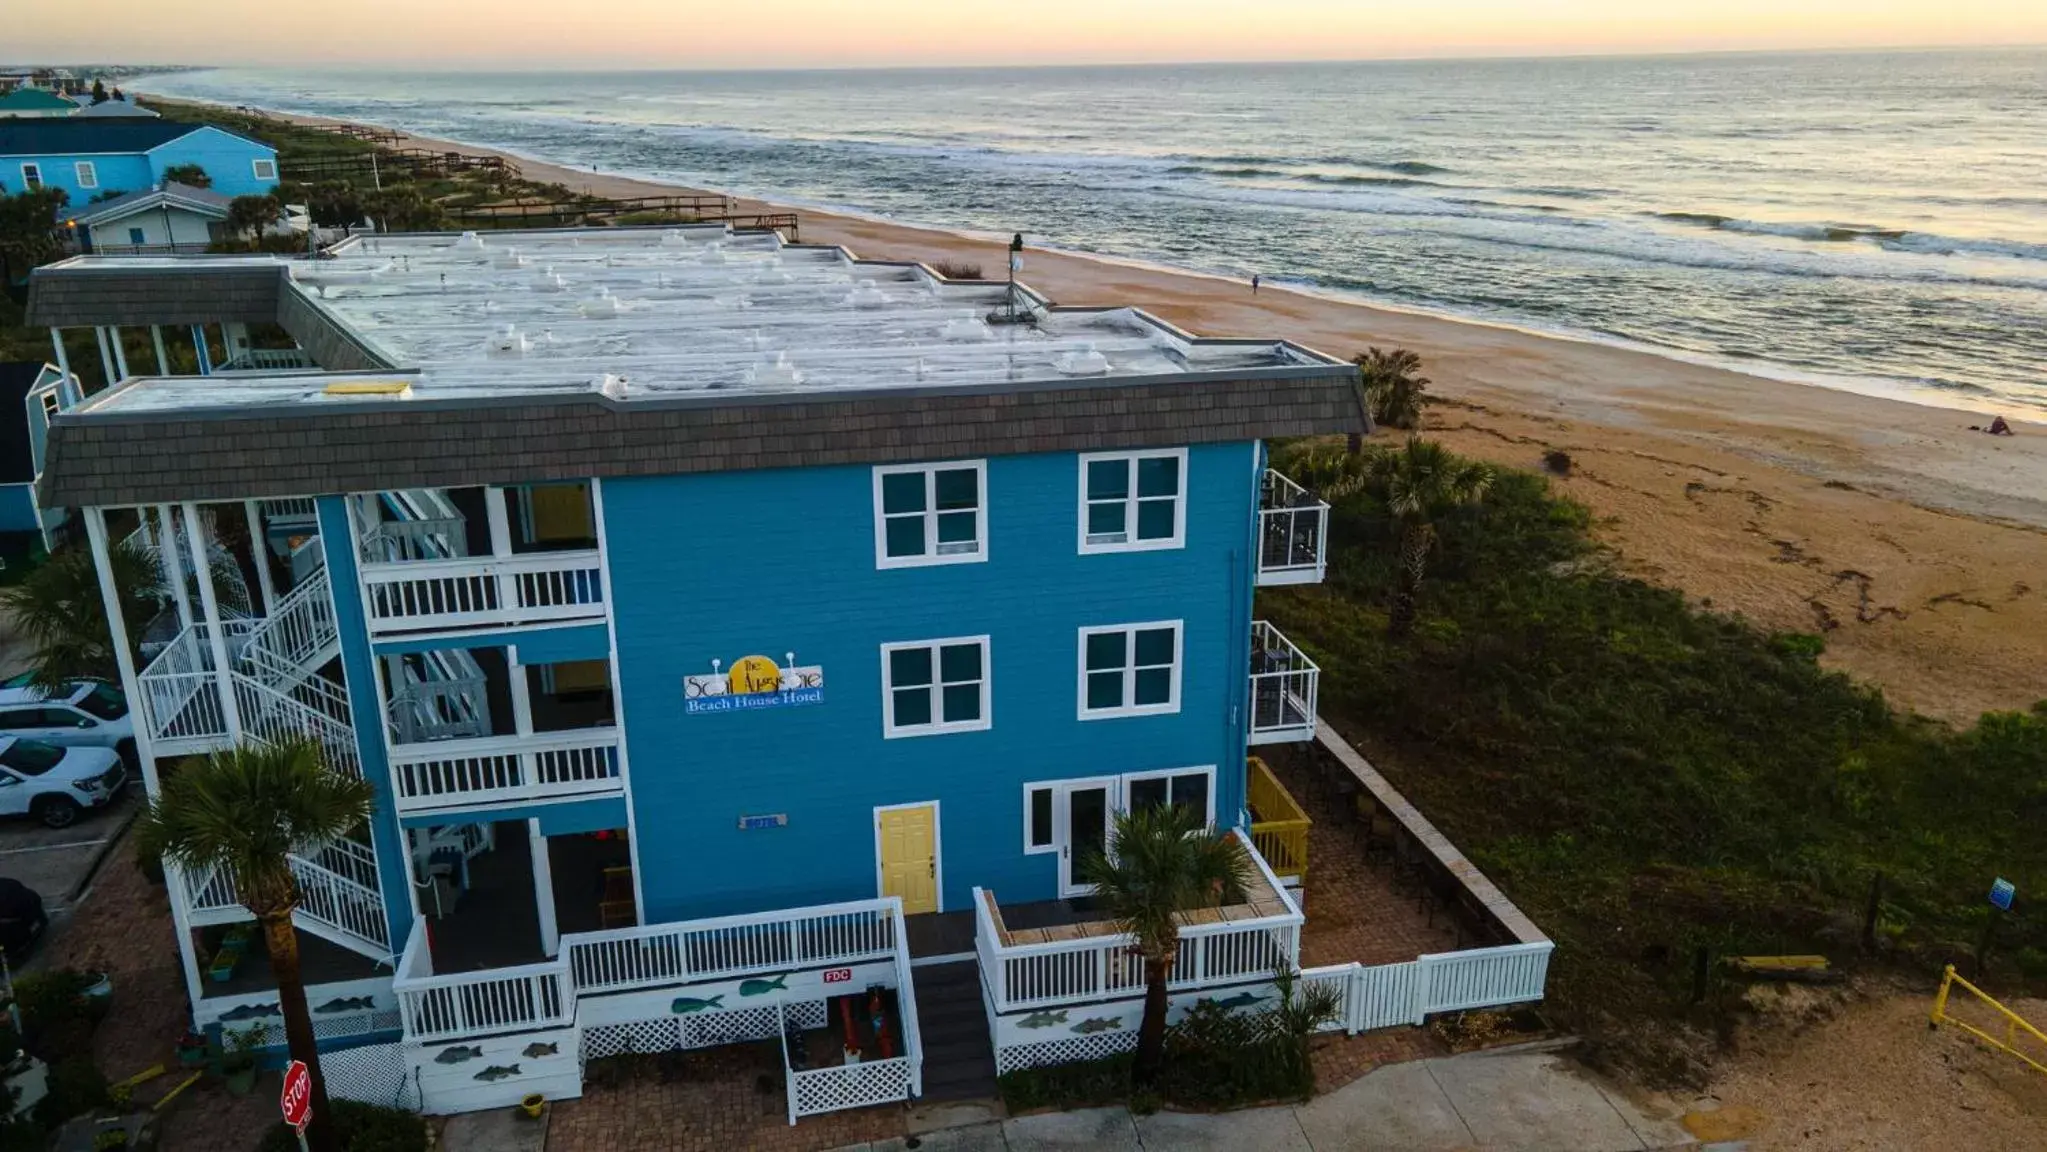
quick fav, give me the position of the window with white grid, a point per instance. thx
(1130, 670)
(934, 686)
(930, 514)
(1133, 501)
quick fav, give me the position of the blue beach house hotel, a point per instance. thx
(744, 641)
(114, 173)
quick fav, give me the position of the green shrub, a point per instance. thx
(76, 1087)
(1085, 1084)
(1646, 777)
(359, 1128)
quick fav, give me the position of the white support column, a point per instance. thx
(163, 362)
(500, 521)
(543, 889)
(216, 636)
(120, 353)
(145, 745)
(72, 395)
(173, 567)
(259, 555)
(522, 693)
(99, 335)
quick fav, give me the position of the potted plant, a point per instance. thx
(192, 1049)
(238, 1061)
(99, 981)
(116, 1137)
(532, 1105)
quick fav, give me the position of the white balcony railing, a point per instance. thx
(1293, 533)
(1283, 686)
(693, 951)
(541, 588)
(466, 1005)
(413, 541)
(472, 1004)
(1106, 966)
(455, 774)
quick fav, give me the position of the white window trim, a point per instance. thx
(1130, 671)
(1050, 847)
(1167, 774)
(1130, 503)
(257, 165)
(88, 175)
(28, 185)
(1119, 800)
(931, 557)
(938, 727)
(52, 404)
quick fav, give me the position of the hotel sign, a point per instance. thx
(754, 683)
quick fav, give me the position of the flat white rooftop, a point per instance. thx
(639, 314)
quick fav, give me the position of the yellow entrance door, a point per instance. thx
(909, 856)
(562, 512)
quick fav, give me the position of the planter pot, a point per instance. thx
(101, 988)
(532, 1106)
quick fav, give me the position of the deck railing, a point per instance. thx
(469, 1004)
(1284, 683)
(1293, 533)
(1107, 966)
(1279, 825)
(543, 587)
(449, 774)
(728, 946)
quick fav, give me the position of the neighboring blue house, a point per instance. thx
(724, 625)
(30, 394)
(95, 156)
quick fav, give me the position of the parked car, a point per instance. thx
(56, 784)
(22, 918)
(89, 714)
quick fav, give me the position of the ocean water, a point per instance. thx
(1872, 220)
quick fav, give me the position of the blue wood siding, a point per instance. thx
(734, 564)
(358, 667)
(535, 645)
(227, 158)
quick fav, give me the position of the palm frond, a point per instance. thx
(247, 808)
(59, 611)
(1163, 861)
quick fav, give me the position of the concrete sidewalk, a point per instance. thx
(1515, 1102)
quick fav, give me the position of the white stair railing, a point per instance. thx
(297, 636)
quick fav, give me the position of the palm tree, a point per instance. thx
(1395, 391)
(57, 607)
(246, 810)
(1162, 861)
(1418, 483)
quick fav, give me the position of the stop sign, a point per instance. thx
(297, 1098)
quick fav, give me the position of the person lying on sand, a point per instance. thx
(1997, 427)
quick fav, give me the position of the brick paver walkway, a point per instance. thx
(125, 923)
(714, 1100)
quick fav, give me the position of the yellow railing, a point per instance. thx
(2017, 1031)
(1279, 825)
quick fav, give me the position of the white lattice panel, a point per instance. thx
(354, 1024)
(644, 1036)
(850, 1086)
(372, 1074)
(1067, 1051)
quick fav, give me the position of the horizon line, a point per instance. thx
(1049, 65)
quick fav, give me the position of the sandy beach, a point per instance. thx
(1916, 546)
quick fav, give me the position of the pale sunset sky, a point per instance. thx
(860, 33)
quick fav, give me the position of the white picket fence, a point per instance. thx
(1388, 995)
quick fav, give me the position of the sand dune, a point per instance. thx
(1917, 547)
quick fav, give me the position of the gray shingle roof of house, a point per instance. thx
(705, 360)
(202, 200)
(92, 135)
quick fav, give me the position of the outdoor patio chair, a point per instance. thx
(1381, 830)
(1407, 861)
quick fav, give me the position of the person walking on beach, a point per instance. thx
(1255, 278)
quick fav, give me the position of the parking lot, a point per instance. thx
(58, 862)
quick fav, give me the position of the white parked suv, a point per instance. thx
(55, 785)
(88, 714)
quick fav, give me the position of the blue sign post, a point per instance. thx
(2002, 892)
